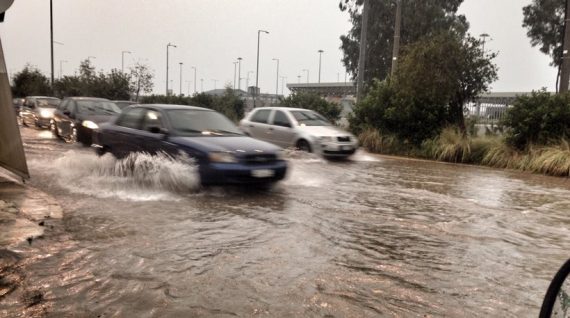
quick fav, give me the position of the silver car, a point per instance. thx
(299, 128)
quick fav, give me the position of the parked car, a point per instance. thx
(76, 117)
(18, 103)
(38, 110)
(123, 103)
(303, 129)
(221, 151)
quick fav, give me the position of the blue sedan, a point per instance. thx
(223, 154)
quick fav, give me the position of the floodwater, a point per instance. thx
(371, 237)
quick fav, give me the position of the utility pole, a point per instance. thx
(484, 36)
(257, 70)
(397, 29)
(320, 56)
(565, 72)
(363, 47)
(167, 47)
(277, 83)
(51, 37)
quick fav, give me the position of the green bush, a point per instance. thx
(540, 118)
(30, 81)
(313, 102)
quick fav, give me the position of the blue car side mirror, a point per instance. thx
(557, 299)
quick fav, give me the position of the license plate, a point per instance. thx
(262, 173)
(345, 148)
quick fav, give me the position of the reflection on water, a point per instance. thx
(372, 236)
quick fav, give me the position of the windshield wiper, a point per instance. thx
(225, 132)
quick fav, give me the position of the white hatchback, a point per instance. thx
(299, 128)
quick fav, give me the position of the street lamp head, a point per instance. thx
(266, 32)
(239, 58)
(321, 51)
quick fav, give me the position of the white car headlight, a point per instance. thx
(222, 157)
(44, 113)
(89, 124)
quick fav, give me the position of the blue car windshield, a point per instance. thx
(193, 122)
(97, 107)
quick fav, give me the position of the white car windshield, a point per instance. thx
(309, 118)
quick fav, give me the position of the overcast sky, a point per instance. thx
(212, 34)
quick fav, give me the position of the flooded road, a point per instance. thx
(372, 237)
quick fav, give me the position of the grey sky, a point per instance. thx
(211, 34)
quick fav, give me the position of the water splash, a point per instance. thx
(138, 177)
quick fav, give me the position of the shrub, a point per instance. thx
(552, 160)
(452, 146)
(539, 118)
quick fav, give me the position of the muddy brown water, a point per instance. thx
(371, 237)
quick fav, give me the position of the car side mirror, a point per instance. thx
(557, 299)
(158, 130)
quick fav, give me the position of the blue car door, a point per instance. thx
(154, 135)
(125, 136)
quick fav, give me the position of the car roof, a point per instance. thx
(87, 98)
(50, 97)
(283, 108)
(171, 107)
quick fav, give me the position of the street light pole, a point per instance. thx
(283, 80)
(299, 79)
(181, 77)
(257, 70)
(167, 64)
(202, 85)
(188, 91)
(123, 60)
(239, 73)
(193, 67)
(235, 73)
(565, 66)
(277, 83)
(247, 81)
(51, 37)
(61, 67)
(306, 70)
(215, 82)
(320, 55)
(484, 36)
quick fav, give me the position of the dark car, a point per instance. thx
(38, 110)
(123, 103)
(223, 154)
(76, 117)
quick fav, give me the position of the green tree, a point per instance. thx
(418, 102)
(141, 80)
(30, 81)
(314, 102)
(463, 72)
(419, 19)
(544, 21)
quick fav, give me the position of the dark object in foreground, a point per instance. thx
(557, 299)
(223, 154)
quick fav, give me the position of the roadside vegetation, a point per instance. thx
(313, 102)
(417, 110)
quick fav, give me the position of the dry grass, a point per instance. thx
(451, 146)
(552, 160)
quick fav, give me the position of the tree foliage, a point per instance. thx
(30, 81)
(544, 21)
(436, 77)
(114, 85)
(314, 102)
(419, 19)
(539, 118)
(140, 80)
(229, 104)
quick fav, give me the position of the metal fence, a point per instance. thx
(486, 113)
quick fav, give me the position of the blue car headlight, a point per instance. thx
(222, 157)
